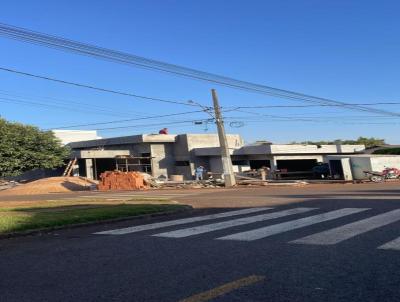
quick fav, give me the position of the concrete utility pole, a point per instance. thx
(229, 177)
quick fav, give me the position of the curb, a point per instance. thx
(185, 208)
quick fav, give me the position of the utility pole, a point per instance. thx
(229, 177)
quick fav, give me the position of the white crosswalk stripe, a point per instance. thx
(181, 221)
(391, 245)
(231, 223)
(350, 230)
(291, 225)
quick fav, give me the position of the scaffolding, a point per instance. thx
(133, 163)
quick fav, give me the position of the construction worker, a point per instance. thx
(199, 172)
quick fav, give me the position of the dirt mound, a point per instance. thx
(51, 185)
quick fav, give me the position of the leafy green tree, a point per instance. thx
(24, 148)
(390, 151)
(369, 142)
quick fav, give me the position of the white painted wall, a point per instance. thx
(70, 136)
(378, 163)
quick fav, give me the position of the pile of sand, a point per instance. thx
(51, 185)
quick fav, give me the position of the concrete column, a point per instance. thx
(346, 166)
(273, 162)
(89, 168)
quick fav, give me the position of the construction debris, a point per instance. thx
(245, 179)
(192, 184)
(116, 180)
(5, 184)
(51, 185)
(151, 181)
(272, 183)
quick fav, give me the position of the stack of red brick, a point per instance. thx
(115, 180)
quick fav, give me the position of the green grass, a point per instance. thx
(30, 217)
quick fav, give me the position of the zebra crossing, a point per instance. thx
(350, 230)
(253, 215)
(180, 221)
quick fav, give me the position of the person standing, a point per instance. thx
(199, 172)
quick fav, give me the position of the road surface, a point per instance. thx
(338, 243)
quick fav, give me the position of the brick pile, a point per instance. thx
(116, 180)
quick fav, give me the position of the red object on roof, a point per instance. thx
(163, 131)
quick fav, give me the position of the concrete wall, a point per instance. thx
(359, 165)
(378, 163)
(297, 149)
(318, 158)
(275, 158)
(184, 150)
(200, 149)
(211, 140)
(124, 140)
(216, 165)
(99, 153)
(163, 163)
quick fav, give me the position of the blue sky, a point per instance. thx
(343, 50)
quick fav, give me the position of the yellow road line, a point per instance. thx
(224, 289)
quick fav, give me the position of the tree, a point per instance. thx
(390, 151)
(24, 148)
(367, 142)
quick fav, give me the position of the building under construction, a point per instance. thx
(163, 155)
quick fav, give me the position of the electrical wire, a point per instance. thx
(60, 43)
(97, 88)
(148, 125)
(309, 106)
(128, 120)
(101, 109)
(39, 105)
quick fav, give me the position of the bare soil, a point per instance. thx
(51, 185)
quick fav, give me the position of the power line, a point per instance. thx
(38, 105)
(330, 121)
(56, 106)
(150, 125)
(251, 121)
(96, 88)
(270, 115)
(310, 118)
(128, 120)
(309, 106)
(51, 41)
(75, 103)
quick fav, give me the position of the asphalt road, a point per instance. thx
(242, 256)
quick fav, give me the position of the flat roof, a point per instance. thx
(282, 149)
(364, 155)
(125, 140)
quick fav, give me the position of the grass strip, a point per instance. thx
(30, 218)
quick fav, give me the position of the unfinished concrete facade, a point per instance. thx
(295, 159)
(352, 167)
(164, 155)
(157, 154)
